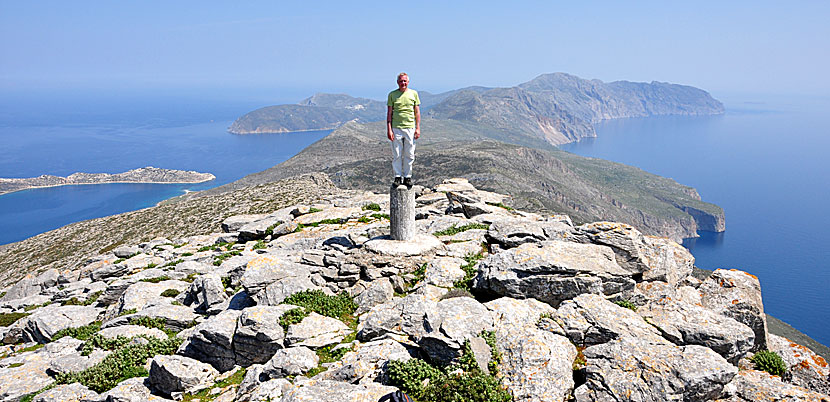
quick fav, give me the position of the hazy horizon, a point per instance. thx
(257, 47)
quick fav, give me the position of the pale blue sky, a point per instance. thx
(358, 47)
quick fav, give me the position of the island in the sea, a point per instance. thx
(147, 174)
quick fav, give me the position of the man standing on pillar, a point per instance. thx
(403, 127)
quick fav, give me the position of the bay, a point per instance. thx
(765, 162)
(94, 137)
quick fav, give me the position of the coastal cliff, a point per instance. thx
(147, 174)
(294, 292)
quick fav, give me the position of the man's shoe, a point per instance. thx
(407, 181)
(397, 181)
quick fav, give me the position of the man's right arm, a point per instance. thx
(389, 133)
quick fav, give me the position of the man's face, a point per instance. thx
(403, 83)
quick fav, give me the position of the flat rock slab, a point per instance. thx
(537, 363)
(42, 325)
(316, 331)
(129, 331)
(365, 363)
(421, 244)
(170, 374)
(68, 393)
(753, 386)
(327, 390)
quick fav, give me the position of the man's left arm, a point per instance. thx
(417, 122)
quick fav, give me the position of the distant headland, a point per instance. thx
(147, 174)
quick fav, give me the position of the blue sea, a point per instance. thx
(112, 135)
(764, 161)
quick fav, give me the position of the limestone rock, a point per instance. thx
(275, 293)
(42, 325)
(290, 362)
(737, 294)
(316, 331)
(687, 324)
(804, 368)
(236, 222)
(132, 390)
(130, 331)
(510, 314)
(267, 269)
(378, 292)
(421, 244)
(68, 393)
(270, 391)
(752, 386)
(327, 390)
(632, 369)
(170, 374)
(367, 363)
(590, 320)
(536, 365)
(553, 271)
(141, 295)
(452, 322)
(206, 294)
(176, 318)
(211, 341)
(126, 251)
(259, 334)
(444, 271)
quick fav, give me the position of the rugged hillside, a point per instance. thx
(314, 302)
(67, 247)
(555, 108)
(356, 156)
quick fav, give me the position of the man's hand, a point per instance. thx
(390, 134)
(417, 132)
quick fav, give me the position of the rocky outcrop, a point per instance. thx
(503, 299)
(147, 174)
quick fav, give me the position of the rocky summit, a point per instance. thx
(314, 302)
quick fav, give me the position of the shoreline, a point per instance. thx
(2, 193)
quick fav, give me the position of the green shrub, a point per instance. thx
(156, 279)
(7, 319)
(410, 376)
(380, 216)
(627, 304)
(364, 219)
(500, 205)
(149, 322)
(454, 230)
(127, 312)
(82, 333)
(170, 293)
(341, 306)
(372, 207)
(292, 316)
(124, 363)
(187, 254)
(101, 342)
(92, 298)
(174, 263)
(226, 282)
(770, 362)
(260, 244)
(270, 230)
(220, 259)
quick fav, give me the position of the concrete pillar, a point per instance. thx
(402, 213)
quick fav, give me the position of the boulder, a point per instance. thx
(292, 361)
(316, 331)
(269, 391)
(236, 222)
(421, 244)
(737, 294)
(553, 271)
(132, 390)
(536, 365)
(450, 324)
(444, 271)
(804, 368)
(67, 393)
(43, 323)
(510, 314)
(141, 295)
(378, 292)
(590, 320)
(176, 318)
(259, 334)
(688, 324)
(636, 369)
(212, 341)
(126, 251)
(206, 294)
(267, 269)
(169, 374)
(275, 293)
(367, 363)
(753, 386)
(327, 390)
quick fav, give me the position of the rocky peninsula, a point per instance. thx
(147, 174)
(552, 109)
(306, 299)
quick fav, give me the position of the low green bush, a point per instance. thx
(341, 306)
(149, 322)
(627, 304)
(260, 244)
(82, 333)
(92, 298)
(126, 362)
(101, 342)
(170, 293)
(7, 319)
(770, 362)
(372, 207)
(220, 259)
(470, 271)
(458, 229)
(292, 316)
(156, 279)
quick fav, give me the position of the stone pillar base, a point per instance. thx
(402, 213)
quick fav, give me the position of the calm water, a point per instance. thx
(766, 164)
(95, 137)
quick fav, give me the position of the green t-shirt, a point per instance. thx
(403, 107)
